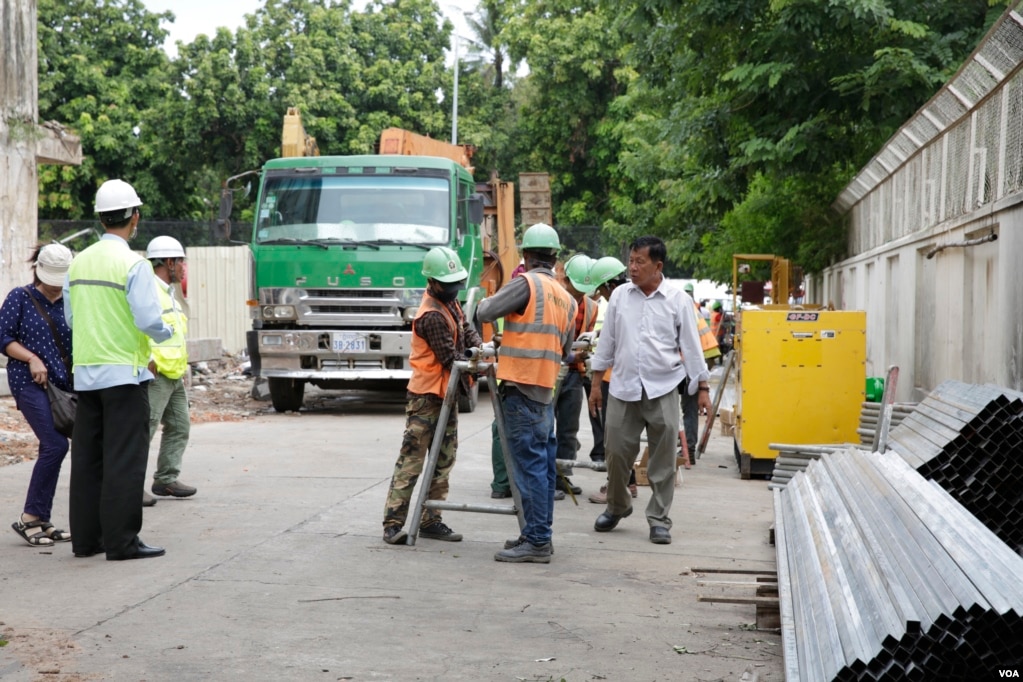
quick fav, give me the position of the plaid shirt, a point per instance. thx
(432, 328)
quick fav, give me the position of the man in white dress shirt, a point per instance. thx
(651, 342)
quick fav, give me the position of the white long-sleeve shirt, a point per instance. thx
(651, 342)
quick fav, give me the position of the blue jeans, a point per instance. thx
(530, 431)
(566, 414)
(53, 447)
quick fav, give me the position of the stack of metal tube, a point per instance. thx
(967, 439)
(882, 575)
(793, 458)
(870, 415)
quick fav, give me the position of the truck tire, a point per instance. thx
(467, 401)
(286, 394)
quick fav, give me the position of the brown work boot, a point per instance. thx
(599, 497)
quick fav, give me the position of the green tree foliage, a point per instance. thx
(101, 67)
(749, 116)
(576, 71)
(721, 125)
(487, 114)
(177, 128)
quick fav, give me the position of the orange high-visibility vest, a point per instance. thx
(531, 345)
(707, 340)
(428, 376)
(585, 321)
(715, 322)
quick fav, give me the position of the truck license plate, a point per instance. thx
(348, 342)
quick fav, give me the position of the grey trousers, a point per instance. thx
(622, 432)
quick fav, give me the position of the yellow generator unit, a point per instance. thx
(801, 380)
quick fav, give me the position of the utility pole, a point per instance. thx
(454, 100)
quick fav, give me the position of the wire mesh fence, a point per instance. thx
(962, 151)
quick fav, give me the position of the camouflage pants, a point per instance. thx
(422, 413)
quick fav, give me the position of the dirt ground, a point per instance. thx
(220, 391)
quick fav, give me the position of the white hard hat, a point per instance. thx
(164, 247)
(114, 195)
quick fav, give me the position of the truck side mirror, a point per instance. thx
(222, 228)
(476, 209)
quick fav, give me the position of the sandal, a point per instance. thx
(56, 534)
(37, 539)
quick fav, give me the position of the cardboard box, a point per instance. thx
(641, 469)
(727, 430)
(726, 416)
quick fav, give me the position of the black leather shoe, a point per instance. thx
(143, 551)
(500, 494)
(659, 535)
(85, 553)
(607, 521)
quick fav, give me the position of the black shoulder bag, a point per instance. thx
(63, 404)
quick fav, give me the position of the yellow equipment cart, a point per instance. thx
(800, 380)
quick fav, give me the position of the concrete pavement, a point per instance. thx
(276, 571)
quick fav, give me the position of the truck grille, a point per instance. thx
(349, 308)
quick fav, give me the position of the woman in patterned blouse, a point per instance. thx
(36, 358)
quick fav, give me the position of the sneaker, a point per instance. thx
(509, 544)
(147, 499)
(559, 495)
(394, 535)
(176, 489)
(439, 531)
(599, 497)
(526, 552)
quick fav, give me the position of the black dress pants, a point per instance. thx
(109, 451)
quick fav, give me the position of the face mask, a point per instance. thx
(448, 292)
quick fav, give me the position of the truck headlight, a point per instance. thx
(410, 298)
(278, 312)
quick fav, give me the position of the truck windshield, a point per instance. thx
(355, 209)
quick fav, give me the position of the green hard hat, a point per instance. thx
(605, 269)
(443, 265)
(542, 237)
(688, 288)
(577, 269)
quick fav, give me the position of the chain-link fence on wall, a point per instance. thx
(962, 151)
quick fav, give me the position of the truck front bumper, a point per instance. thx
(310, 355)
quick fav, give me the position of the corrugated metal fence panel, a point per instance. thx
(218, 286)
